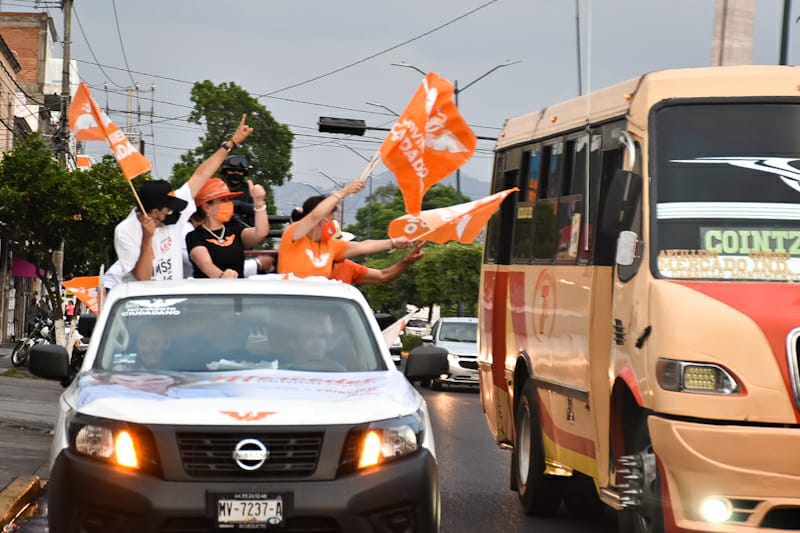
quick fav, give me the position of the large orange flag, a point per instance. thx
(462, 222)
(85, 289)
(89, 123)
(429, 141)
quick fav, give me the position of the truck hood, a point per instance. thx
(257, 397)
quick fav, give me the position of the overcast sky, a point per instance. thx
(271, 47)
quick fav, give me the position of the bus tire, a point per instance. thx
(649, 516)
(581, 499)
(539, 494)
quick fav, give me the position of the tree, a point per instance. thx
(89, 238)
(449, 275)
(219, 109)
(44, 205)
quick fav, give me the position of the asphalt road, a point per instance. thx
(474, 472)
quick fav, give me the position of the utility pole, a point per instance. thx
(64, 134)
(786, 25)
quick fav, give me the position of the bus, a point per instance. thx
(640, 307)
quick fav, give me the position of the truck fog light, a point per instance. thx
(715, 510)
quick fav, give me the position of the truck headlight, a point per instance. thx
(116, 443)
(687, 376)
(382, 441)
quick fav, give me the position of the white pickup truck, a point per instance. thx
(264, 403)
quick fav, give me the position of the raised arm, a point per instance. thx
(324, 208)
(252, 236)
(356, 248)
(209, 167)
(392, 272)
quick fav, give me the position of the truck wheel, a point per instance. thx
(539, 494)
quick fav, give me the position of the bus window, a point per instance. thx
(534, 171)
(501, 226)
(523, 233)
(589, 216)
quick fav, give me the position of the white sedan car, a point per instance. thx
(240, 404)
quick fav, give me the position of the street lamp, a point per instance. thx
(340, 185)
(457, 91)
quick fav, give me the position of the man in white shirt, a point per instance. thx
(149, 244)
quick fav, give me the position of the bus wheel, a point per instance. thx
(539, 494)
(644, 512)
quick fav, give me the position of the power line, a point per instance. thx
(89, 45)
(121, 44)
(382, 52)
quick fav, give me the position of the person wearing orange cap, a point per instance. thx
(216, 246)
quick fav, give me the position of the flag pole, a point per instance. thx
(136, 195)
(370, 166)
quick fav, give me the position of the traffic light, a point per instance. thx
(349, 126)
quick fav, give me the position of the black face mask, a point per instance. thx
(234, 181)
(172, 218)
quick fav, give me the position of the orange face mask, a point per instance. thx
(224, 212)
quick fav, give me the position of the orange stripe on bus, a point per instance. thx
(774, 307)
(573, 442)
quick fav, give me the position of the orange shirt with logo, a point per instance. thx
(349, 272)
(305, 257)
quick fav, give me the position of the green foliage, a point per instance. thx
(410, 342)
(43, 205)
(219, 109)
(449, 274)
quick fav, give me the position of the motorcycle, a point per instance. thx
(43, 332)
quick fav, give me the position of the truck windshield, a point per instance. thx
(217, 333)
(726, 182)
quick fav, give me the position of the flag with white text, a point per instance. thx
(89, 123)
(462, 222)
(86, 290)
(429, 141)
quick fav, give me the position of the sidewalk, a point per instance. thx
(26, 421)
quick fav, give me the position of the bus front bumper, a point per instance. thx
(754, 470)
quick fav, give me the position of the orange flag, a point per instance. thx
(85, 289)
(89, 123)
(429, 141)
(462, 222)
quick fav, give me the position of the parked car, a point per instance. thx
(459, 336)
(418, 327)
(210, 404)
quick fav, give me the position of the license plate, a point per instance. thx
(249, 511)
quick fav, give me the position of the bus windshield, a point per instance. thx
(726, 180)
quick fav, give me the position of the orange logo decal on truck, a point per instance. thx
(248, 416)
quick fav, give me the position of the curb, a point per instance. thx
(16, 496)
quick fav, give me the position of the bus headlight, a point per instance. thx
(686, 376)
(715, 510)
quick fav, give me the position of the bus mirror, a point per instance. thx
(626, 248)
(622, 200)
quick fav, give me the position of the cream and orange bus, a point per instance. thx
(640, 301)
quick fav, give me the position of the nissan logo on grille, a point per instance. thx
(250, 454)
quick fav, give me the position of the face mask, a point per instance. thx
(328, 230)
(172, 218)
(224, 212)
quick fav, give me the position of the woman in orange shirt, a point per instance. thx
(307, 246)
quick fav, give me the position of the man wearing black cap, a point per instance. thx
(148, 244)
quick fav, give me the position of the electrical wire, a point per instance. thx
(91, 50)
(382, 52)
(121, 44)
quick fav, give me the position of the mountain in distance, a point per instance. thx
(294, 193)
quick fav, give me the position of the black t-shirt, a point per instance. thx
(227, 252)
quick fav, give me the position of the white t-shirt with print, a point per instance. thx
(167, 242)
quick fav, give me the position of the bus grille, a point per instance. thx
(210, 455)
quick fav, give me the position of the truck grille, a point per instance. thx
(210, 455)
